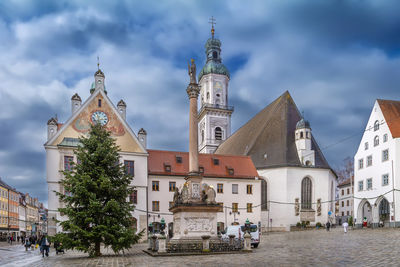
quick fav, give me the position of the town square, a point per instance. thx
(199, 133)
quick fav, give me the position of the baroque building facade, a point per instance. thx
(376, 168)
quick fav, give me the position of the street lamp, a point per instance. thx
(247, 226)
(234, 215)
(162, 226)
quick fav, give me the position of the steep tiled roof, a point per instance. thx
(269, 137)
(391, 112)
(346, 182)
(158, 162)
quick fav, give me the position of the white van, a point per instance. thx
(238, 231)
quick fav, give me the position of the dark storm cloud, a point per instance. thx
(334, 57)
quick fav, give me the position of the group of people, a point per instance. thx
(34, 242)
(345, 226)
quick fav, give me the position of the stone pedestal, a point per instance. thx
(162, 244)
(150, 242)
(192, 221)
(231, 240)
(154, 243)
(206, 243)
(247, 242)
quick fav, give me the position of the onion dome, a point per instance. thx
(76, 97)
(301, 124)
(121, 103)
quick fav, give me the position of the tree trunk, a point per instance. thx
(97, 249)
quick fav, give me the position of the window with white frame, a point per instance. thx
(376, 125)
(366, 145)
(385, 138)
(385, 179)
(235, 189)
(369, 161)
(369, 183)
(361, 163)
(376, 141)
(385, 155)
(360, 185)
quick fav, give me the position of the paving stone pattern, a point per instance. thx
(366, 247)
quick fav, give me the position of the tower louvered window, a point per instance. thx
(218, 133)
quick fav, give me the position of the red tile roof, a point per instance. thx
(346, 182)
(242, 166)
(391, 112)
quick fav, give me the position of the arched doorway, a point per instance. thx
(366, 213)
(384, 211)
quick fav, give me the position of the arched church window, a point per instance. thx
(218, 133)
(208, 95)
(376, 140)
(306, 193)
(376, 125)
(301, 135)
(215, 54)
(384, 209)
(264, 195)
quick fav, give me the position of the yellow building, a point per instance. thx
(3, 210)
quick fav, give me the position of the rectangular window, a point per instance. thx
(156, 206)
(360, 185)
(385, 155)
(249, 207)
(249, 189)
(385, 179)
(342, 203)
(348, 191)
(99, 103)
(235, 189)
(155, 186)
(342, 192)
(366, 145)
(385, 138)
(220, 188)
(178, 159)
(234, 207)
(134, 197)
(369, 160)
(348, 213)
(172, 186)
(67, 163)
(221, 204)
(129, 167)
(369, 183)
(361, 163)
(347, 203)
(216, 161)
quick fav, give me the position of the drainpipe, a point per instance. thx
(394, 208)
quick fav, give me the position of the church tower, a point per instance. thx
(215, 114)
(303, 143)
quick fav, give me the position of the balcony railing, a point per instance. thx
(215, 106)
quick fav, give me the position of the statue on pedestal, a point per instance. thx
(192, 71)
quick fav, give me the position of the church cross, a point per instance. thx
(98, 63)
(212, 21)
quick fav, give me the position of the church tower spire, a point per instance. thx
(215, 114)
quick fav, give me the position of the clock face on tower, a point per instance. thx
(99, 117)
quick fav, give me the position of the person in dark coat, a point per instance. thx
(44, 244)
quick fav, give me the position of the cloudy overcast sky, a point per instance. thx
(334, 57)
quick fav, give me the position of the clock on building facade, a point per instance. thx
(99, 117)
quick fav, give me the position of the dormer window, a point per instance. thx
(178, 159)
(376, 125)
(167, 167)
(216, 161)
(201, 169)
(230, 170)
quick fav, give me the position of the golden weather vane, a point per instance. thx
(98, 63)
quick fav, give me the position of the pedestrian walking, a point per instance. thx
(345, 226)
(27, 243)
(44, 245)
(328, 226)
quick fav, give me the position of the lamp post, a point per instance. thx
(247, 225)
(162, 226)
(234, 215)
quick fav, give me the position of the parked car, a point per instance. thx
(238, 231)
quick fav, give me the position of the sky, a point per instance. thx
(334, 57)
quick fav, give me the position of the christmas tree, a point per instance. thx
(96, 198)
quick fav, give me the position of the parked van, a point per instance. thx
(238, 231)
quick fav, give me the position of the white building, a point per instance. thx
(376, 167)
(22, 215)
(346, 190)
(234, 179)
(299, 184)
(63, 139)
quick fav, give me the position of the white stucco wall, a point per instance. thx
(284, 186)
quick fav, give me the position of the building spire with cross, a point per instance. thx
(212, 21)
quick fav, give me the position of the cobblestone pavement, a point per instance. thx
(380, 247)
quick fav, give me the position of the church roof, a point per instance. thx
(269, 137)
(229, 166)
(391, 112)
(214, 67)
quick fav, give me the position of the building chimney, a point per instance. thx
(76, 102)
(142, 135)
(122, 109)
